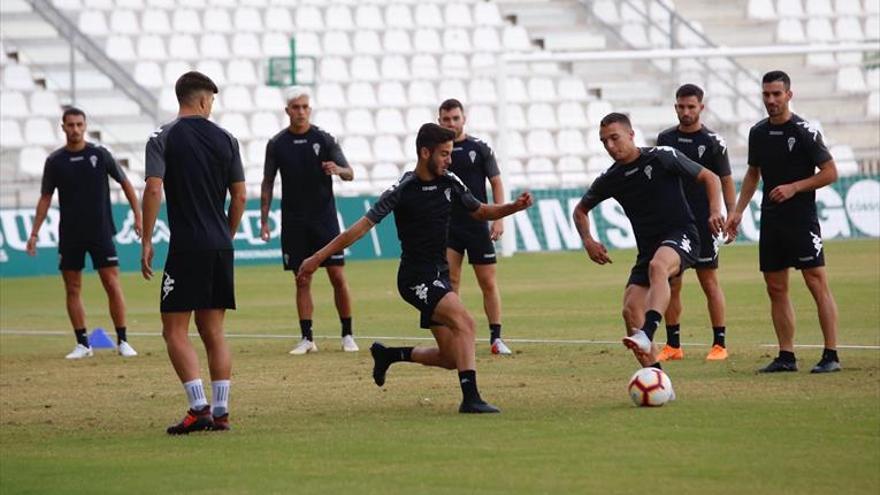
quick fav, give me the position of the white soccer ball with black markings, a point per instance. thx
(650, 387)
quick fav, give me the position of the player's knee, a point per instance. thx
(303, 283)
(72, 289)
(776, 289)
(658, 268)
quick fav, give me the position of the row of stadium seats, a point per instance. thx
(276, 43)
(765, 10)
(212, 19)
(820, 30)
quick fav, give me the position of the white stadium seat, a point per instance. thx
(387, 148)
(572, 88)
(308, 43)
(482, 90)
(819, 29)
(183, 46)
(542, 116)
(872, 27)
(427, 41)
(515, 117)
(308, 18)
(606, 10)
(275, 45)
(357, 150)
(359, 121)
(515, 38)
(849, 29)
(457, 14)
(851, 80)
(93, 22)
(487, 14)
(41, 131)
(364, 68)
(456, 40)
(217, 21)
(416, 116)
(390, 121)
(14, 104)
(819, 8)
(361, 94)
(120, 48)
(18, 77)
(571, 142)
(424, 66)
(454, 65)
(336, 43)
(148, 74)
(596, 110)
(486, 39)
(214, 46)
(10, 134)
(368, 43)
(338, 17)
(368, 17)
(124, 22)
(330, 121)
(278, 19)
(155, 21)
(236, 124)
(268, 98)
(481, 118)
(333, 69)
(237, 98)
(541, 143)
(515, 90)
(385, 172)
(848, 7)
(452, 88)
(391, 94)
(330, 95)
(395, 68)
(398, 15)
(873, 109)
(789, 8)
(516, 147)
(790, 31)
(241, 71)
(541, 89)
(186, 21)
(173, 70)
(213, 69)
(248, 19)
(571, 114)
(428, 14)
(264, 124)
(32, 160)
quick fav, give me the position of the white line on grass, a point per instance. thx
(53, 333)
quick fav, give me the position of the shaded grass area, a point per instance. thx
(317, 424)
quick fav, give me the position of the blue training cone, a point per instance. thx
(98, 339)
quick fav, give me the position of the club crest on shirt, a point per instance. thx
(791, 142)
(448, 193)
(473, 155)
(700, 150)
(317, 148)
(94, 160)
(648, 170)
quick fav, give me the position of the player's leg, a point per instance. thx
(210, 325)
(634, 298)
(817, 282)
(782, 314)
(455, 259)
(175, 326)
(342, 299)
(715, 302)
(295, 242)
(672, 351)
(116, 300)
(76, 312)
(488, 282)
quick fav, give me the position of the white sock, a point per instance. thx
(195, 394)
(220, 397)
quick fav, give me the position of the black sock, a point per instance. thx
(81, 337)
(397, 354)
(468, 381)
(346, 326)
(830, 355)
(656, 365)
(718, 336)
(786, 356)
(305, 327)
(652, 321)
(494, 332)
(673, 339)
(120, 335)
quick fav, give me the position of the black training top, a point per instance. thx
(83, 192)
(706, 148)
(306, 191)
(650, 191)
(473, 161)
(197, 160)
(787, 153)
(421, 213)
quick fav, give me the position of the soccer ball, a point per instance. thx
(650, 387)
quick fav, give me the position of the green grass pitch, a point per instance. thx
(317, 423)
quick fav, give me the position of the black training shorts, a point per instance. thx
(196, 280)
(709, 244)
(301, 240)
(790, 244)
(73, 256)
(686, 243)
(423, 287)
(473, 239)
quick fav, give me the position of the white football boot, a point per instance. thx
(499, 347)
(349, 345)
(126, 350)
(305, 346)
(638, 342)
(79, 352)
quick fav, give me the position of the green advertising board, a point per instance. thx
(849, 208)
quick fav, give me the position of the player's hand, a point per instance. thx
(496, 230)
(783, 193)
(731, 227)
(264, 231)
(306, 269)
(331, 168)
(716, 223)
(523, 201)
(147, 260)
(139, 227)
(597, 252)
(32, 246)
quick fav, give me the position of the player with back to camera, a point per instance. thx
(196, 162)
(647, 182)
(473, 161)
(307, 158)
(79, 171)
(706, 147)
(421, 202)
(785, 151)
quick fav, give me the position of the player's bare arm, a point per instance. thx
(496, 212)
(340, 242)
(595, 249)
(131, 196)
(496, 230)
(713, 190)
(42, 210)
(827, 174)
(344, 173)
(747, 190)
(150, 204)
(265, 202)
(238, 195)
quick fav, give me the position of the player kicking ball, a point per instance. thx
(421, 201)
(647, 182)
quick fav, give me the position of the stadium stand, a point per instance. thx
(382, 68)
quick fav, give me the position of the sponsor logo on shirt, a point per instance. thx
(629, 172)
(791, 142)
(777, 133)
(700, 150)
(77, 158)
(429, 188)
(685, 140)
(94, 160)
(300, 141)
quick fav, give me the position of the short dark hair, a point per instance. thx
(451, 104)
(72, 111)
(191, 83)
(431, 135)
(777, 75)
(686, 90)
(615, 118)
